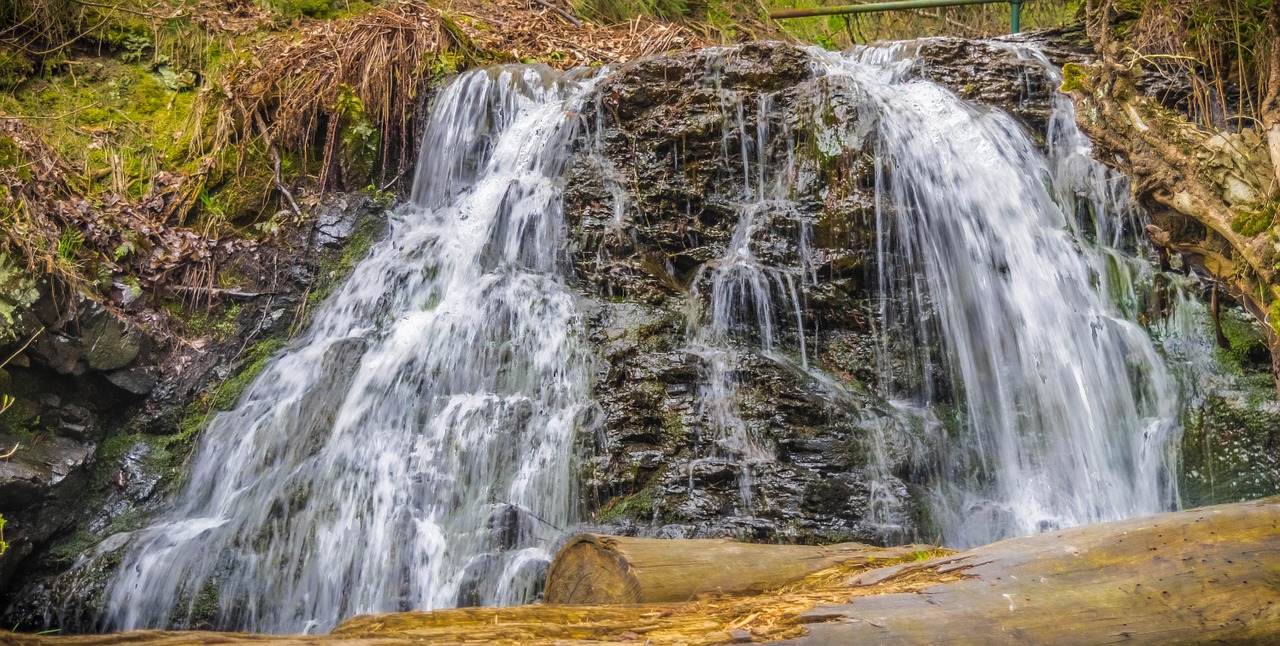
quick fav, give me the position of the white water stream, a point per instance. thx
(413, 450)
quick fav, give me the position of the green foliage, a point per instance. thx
(135, 47)
(4, 547)
(358, 150)
(70, 244)
(15, 67)
(296, 8)
(623, 10)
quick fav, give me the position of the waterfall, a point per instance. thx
(412, 450)
(747, 296)
(1064, 411)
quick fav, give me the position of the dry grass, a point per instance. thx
(516, 30)
(1219, 48)
(773, 615)
(289, 92)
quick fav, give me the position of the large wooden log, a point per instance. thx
(595, 570)
(1202, 576)
(1205, 576)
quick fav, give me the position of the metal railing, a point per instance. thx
(1015, 7)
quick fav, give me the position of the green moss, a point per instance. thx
(1252, 223)
(64, 552)
(295, 8)
(15, 68)
(1231, 447)
(1248, 343)
(255, 360)
(358, 150)
(368, 231)
(10, 155)
(637, 507)
(1073, 77)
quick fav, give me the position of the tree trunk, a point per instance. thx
(594, 570)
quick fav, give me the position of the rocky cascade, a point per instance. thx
(761, 292)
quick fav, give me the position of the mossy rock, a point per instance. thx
(15, 68)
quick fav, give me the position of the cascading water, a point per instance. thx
(745, 293)
(1066, 413)
(412, 450)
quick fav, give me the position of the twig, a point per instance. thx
(54, 117)
(24, 347)
(560, 12)
(275, 160)
(8, 455)
(215, 291)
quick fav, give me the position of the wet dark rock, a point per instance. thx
(653, 201)
(653, 207)
(103, 401)
(28, 476)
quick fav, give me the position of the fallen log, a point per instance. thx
(1205, 576)
(1209, 575)
(596, 570)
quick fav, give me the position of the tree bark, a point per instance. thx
(594, 570)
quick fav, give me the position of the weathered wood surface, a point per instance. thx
(1206, 576)
(594, 569)
(1209, 575)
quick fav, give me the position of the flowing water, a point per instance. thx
(1064, 411)
(413, 450)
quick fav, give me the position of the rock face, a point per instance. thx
(109, 397)
(675, 180)
(654, 205)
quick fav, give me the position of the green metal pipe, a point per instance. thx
(897, 5)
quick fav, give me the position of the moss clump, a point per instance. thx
(64, 553)
(637, 507)
(1252, 223)
(10, 155)
(15, 68)
(228, 393)
(1231, 448)
(295, 8)
(1073, 77)
(1247, 340)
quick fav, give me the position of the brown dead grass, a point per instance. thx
(773, 615)
(391, 58)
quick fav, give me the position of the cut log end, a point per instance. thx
(590, 570)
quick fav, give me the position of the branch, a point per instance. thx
(275, 160)
(561, 12)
